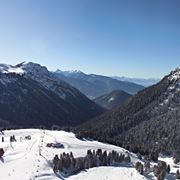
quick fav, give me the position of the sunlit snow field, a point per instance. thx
(22, 160)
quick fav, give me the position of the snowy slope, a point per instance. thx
(22, 159)
(5, 68)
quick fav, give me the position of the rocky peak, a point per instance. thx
(35, 68)
(175, 75)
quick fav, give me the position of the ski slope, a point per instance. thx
(22, 159)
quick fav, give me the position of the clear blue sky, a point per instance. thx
(136, 38)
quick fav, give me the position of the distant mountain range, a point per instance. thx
(113, 99)
(93, 85)
(141, 81)
(148, 122)
(32, 96)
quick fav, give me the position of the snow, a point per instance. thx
(170, 96)
(175, 75)
(74, 71)
(174, 167)
(6, 69)
(22, 159)
(166, 101)
(111, 99)
(108, 173)
(70, 72)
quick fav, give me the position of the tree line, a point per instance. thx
(68, 165)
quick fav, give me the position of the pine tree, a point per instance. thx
(139, 156)
(104, 159)
(161, 175)
(147, 165)
(160, 170)
(177, 156)
(79, 165)
(177, 174)
(55, 163)
(168, 169)
(127, 159)
(139, 167)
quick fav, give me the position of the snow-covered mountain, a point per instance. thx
(7, 69)
(33, 96)
(32, 159)
(113, 99)
(49, 81)
(93, 85)
(72, 74)
(148, 122)
(142, 81)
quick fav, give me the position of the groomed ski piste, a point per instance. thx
(32, 159)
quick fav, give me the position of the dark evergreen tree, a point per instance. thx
(147, 165)
(68, 164)
(168, 169)
(154, 156)
(79, 165)
(160, 170)
(177, 174)
(127, 158)
(176, 156)
(139, 167)
(104, 159)
(139, 156)
(55, 163)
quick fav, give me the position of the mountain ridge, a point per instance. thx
(93, 85)
(32, 96)
(140, 124)
(113, 99)
(141, 81)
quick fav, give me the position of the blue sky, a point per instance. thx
(135, 38)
